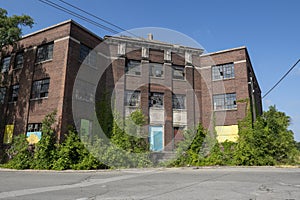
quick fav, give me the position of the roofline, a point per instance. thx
(154, 42)
(61, 24)
(224, 51)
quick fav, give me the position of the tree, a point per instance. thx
(267, 142)
(45, 150)
(11, 27)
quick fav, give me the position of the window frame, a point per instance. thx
(87, 56)
(44, 52)
(152, 96)
(34, 126)
(220, 72)
(224, 102)
(128, 101)
(152, 69)
(2, 94)
(175, 68)
(129, 69)
(14, 93)
(182, 106)
(18, 65)
(38, 85)
(7, 65)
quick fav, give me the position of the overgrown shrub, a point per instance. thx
(128, 146)
(45, 150)
(267, 142)
(72, 154)
(20, 155)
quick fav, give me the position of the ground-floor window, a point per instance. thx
(34, 132)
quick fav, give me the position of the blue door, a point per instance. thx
(156, 138)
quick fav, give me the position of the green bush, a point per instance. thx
(128, 146)
(21, 156)
(45, 150)
(267, 141)
(72, 154)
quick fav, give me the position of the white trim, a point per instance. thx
(205, 67)
(31, 48)
(73, 39)
(240, 61)
(61, 39)
(67, 38)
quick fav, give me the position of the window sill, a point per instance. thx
(154, 77)
(224, 110)
(36, 99)
(180, 80)
(132, 107)
(157, 108)
(179, 110)
(225, 79)
(44, 61)
(133, 75)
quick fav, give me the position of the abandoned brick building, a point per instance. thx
(175, 86)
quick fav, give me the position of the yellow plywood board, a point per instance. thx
(229, 133)
(8, 134)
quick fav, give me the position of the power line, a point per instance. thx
(282, 78)
(54, 5)
(99, 18)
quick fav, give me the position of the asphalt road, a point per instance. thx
(186, 183)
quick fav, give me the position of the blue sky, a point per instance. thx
(269, 29)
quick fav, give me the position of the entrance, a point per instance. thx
(156, 138)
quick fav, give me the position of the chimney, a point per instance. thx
(150, 36)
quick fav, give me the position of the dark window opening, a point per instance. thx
(156, 100)
(44, 52)
(40, 89)
(221, 72)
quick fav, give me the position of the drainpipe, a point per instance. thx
(253, 99)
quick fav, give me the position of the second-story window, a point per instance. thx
(14, 93)
(156, 70)
(2, 94)
(5, 64)
(220, 72)
(44, 52)
(132, 98)
(87, 56)
(133, 67)
(40, 89)
(178, 72)
(156, 100)
(224, 101)
(19, 60)
(178, 101)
